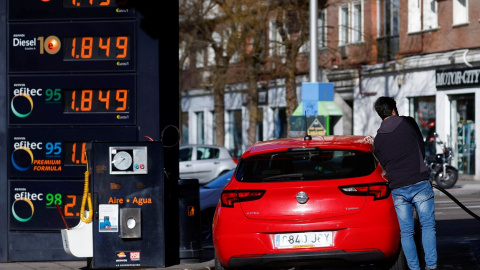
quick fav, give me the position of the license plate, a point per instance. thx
(304, 240)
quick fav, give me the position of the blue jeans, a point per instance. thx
(419, 195)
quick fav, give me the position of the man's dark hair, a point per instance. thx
(384, 106)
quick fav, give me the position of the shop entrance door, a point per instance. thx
(463, 132)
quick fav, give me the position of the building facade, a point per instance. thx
(423, 53)
(433, 77)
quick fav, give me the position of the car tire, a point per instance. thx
(218, 265)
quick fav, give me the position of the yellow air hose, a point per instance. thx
(86, 195)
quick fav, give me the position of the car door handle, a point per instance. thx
(188, 165)
(216, 162)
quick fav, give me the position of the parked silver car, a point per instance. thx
(204, 162)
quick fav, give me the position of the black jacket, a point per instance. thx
(400, 148)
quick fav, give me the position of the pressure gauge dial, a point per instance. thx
(128, 160)
(122, 160)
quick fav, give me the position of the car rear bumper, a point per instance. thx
(357, 237)
(324, 258)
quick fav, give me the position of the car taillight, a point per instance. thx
(235, 160)
(230, 197)
(379, 191)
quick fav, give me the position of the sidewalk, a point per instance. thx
(206, 263)
(463, 186)
(74, 265)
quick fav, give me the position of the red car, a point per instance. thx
(307, 201)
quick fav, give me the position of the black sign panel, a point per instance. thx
(118, 195)
(72, 99)
(68, 9)
(454, 78)
(57, 152)
(73, 46)
(33, 204)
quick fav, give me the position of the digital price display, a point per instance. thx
(72, 99)
(93, 3)
(33, 204)
(96, 48)
(69, 9)
(88, 100)
(76, 46)
(57, 152)
(74, 153)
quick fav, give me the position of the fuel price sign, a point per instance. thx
(57, 152)
(70, 9)
(72, 99)
(33, 204)
(76, 46)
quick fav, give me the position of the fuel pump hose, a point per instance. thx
(457, 202)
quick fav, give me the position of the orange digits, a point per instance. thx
(105, 99)
(106, 47)
(87, 46)
(70, 205)
(73, 101)
(122, 96)
(122, 44)
(104, 3)
(86, 104)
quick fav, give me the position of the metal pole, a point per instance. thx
(313, 41)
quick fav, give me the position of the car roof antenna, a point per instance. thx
(307, 137)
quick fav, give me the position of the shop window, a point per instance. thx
(424, 113)
(280, 123)
(200, 129)
(235, 132)
(463, 132)
(184, 127)
(260, 124)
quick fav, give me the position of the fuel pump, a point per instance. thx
(128, 191)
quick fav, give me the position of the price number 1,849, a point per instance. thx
(97, 48)
(97, 101)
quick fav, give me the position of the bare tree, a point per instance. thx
(217, 24)
(292, 23)
(186, 39)
(252, 55)
(227, 34)
(230, 27)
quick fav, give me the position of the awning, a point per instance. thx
(325, 108)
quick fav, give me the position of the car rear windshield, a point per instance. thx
(305, 165)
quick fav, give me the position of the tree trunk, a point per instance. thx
(252, 102)
(290, 89)
(219, 105)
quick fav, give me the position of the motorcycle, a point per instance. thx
(439, 166)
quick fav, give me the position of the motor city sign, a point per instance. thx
(458, 77)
